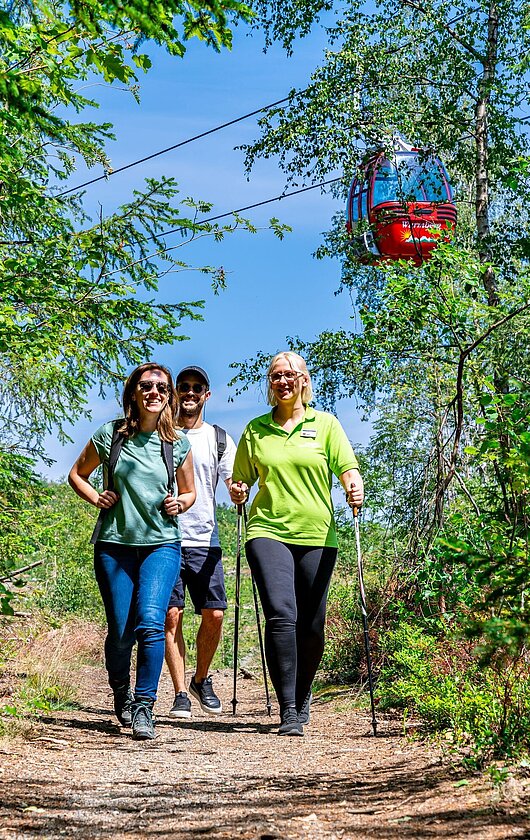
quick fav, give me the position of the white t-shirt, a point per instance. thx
(199, 524)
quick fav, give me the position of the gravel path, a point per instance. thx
(80, 775)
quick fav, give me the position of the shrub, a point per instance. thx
(442, 679)
(344, 651)
(20, 493)
(67, 583)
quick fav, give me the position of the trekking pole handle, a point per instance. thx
(355, 507)
(240, 491)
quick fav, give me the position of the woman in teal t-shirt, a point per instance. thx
(292, 452)
(137, 549)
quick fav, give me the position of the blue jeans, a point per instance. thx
(135, 584)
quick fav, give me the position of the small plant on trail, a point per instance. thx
(39, 693)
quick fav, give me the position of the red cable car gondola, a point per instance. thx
(401, 206)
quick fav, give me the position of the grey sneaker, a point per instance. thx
(305, 712)
(290, 725)
(143, 727)
(204, 693)
(181, 708)
(123, 700)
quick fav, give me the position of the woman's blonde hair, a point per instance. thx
(296, 363)
(166, 422)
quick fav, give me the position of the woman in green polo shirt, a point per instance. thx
(137, 549)
(292, 452)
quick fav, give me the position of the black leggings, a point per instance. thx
(293, 582)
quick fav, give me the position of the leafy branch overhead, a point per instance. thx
(79, 299)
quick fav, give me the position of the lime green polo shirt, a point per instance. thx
(294, 474)
(141, 479)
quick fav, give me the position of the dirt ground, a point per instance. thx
(79, 774)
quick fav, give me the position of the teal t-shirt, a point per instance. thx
(141, 479)
(294, 474)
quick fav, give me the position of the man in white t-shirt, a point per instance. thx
(201, 572)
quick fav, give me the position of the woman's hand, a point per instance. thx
(355, 496)
(238, 492)
(107, 499)
(172, 505)
(353, 484)
(186, 494)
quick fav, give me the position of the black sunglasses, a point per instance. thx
(148, 384)
(196, 387)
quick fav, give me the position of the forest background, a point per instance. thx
(437, 355)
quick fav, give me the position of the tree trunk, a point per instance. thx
(482, 148)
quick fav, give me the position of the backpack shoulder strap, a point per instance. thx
(116, 445)
(220, 439)
(169, 461)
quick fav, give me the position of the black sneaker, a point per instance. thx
(290, 725)
(143, 727)
(181, 708)
(204, 693)
(123, 699)
(304, 713)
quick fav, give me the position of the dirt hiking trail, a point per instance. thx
(79, 774)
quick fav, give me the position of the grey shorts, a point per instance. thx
(201, 573)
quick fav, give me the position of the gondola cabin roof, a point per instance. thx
(400, 206)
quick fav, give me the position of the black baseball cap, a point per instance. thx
(199, 371)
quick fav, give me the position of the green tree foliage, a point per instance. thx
(20, 492)
(437, 353)
(66, 585)
(78, 295)
(432, 342)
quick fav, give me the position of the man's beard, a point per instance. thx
(190, 412)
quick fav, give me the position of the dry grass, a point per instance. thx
(40, 667)
(73, 643)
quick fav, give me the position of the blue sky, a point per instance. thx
(275, 288)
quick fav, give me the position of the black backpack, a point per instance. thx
(166, 450)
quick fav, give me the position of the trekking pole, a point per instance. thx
(260, 634)
(261, 648)
(236, 610)
(364, 612)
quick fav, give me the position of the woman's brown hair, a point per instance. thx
(166, 422)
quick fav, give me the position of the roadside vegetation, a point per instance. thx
(438, 354)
